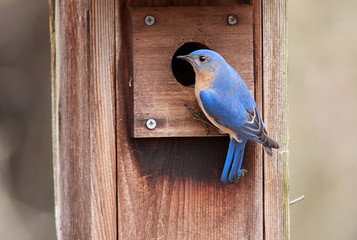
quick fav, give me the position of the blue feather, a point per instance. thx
(231, 113)
(229, 161)
(227, 101)
(237, 162)
(232, 167)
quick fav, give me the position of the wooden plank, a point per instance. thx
(166, 188)
(82, 36)
(150, 3)
(258, 96)
(169, 188)
(276, 201)
(156, 93)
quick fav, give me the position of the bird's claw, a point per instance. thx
(242, 172)
(198, 116)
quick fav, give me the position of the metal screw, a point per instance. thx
(151, 124)
(232, 19)
(149, 20)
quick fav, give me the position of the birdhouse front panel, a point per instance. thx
(160, 84)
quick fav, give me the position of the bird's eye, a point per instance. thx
(203, 59)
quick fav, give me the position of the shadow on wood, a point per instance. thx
(199, 159)
(109, 185)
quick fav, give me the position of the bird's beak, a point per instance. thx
(185, 57)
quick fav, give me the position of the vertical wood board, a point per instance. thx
(109, 185)
(169, 188)
(82, 42)
(276, 178)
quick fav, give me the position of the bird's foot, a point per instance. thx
(220, 131)
(242, 172)
(198, 116)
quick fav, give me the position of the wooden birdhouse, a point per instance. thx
(129, 163)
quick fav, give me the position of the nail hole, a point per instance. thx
(182, 70)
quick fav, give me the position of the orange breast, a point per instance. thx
(204, 80)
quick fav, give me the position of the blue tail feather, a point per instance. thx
(237, 162)
(234, 160)
(228, 163)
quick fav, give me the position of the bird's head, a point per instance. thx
(204, 60)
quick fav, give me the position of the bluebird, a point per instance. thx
(227, 102)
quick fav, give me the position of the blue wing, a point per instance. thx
(231, 113)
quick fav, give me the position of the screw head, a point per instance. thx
(149, 20)
(151, 123)
(232, 19)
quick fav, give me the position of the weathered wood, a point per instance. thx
(83, 106)
(169, 188)
(151, 3)
(156, 92)
(276, 202)
(111, 186)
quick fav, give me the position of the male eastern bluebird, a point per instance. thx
(226, 101)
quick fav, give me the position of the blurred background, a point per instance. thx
(26, 179)
(323, 125)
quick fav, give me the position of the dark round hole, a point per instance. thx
(181, 69)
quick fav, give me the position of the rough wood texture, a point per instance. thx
(111, 186)
(156, 92)
(82, 37)
(151, 3)
(276, 202)
(169, 188)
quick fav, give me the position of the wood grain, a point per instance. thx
(169, 188)
(276, 201)
(156, 92)
(83, 108)
(109, 185)
(151, 3)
